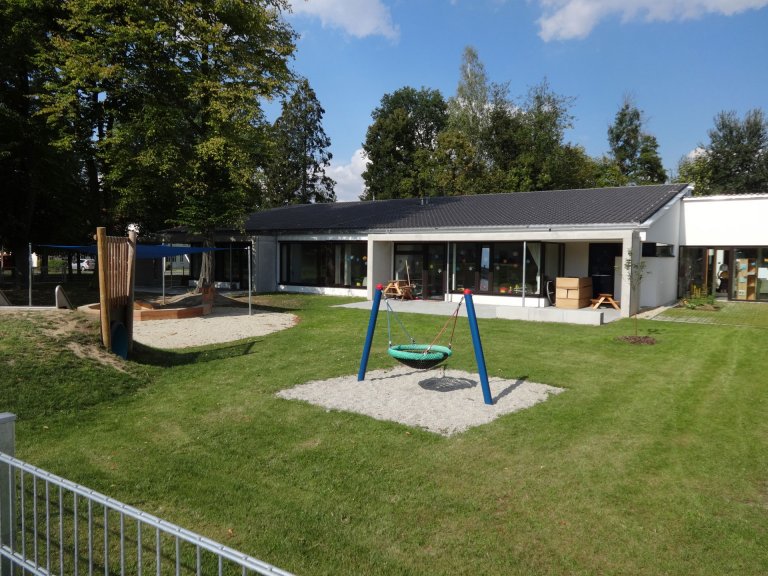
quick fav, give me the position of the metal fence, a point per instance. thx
(49, 525)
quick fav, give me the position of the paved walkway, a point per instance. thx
(548, 314)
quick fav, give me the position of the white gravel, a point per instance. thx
(442, 401)
(224, 324)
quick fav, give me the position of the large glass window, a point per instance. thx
(342, 264)
(507, 268)
(465, 266)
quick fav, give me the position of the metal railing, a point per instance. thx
(50, 525)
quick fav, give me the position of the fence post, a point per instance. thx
(7, 489)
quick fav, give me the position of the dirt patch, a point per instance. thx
(650, 340)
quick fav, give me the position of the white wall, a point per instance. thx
(665, 225)
(725, 221)
(379, 264)
(659, 286)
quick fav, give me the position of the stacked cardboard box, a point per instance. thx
(573, 292)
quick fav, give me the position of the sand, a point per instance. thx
(223, 325)
(445, 402)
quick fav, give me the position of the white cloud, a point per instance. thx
(359, 18)
(349, 177)
(569, 19)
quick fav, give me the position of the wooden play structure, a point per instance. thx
(117, 271)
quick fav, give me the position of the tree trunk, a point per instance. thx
(207, 265)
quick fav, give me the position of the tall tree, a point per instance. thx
(633, 150)
(738, 153)
(468, 110)
(40, 183)
(400, 141)
(165, 99)
(296, 166)
(736, 159)
(546, 117)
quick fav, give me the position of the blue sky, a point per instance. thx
(682, 61)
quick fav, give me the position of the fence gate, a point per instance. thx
(51, 526)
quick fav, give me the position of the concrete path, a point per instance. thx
(549, 314)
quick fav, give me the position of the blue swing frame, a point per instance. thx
(476, 342)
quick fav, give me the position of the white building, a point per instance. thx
(510, 248)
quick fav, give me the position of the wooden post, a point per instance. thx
(131, 281)
(104, 297)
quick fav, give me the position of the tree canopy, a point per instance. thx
(735, 161)
(400, 143)
(297, 162)
(634, 150)
(157, 105)
(482, 141)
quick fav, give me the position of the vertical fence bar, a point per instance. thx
(61, 530)
(7, 488)
(47, 527)
(157, 551)
(122, 544)
(178, 556)
(76, 534)
(138, 549)
(23, 516)
(106, 541)
(34, 520)
(90, 537)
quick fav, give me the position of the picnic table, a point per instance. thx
(398, 289)
(604, 299)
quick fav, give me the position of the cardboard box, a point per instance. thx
(565, 282)
(572, 304)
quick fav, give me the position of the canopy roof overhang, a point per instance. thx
(143, 251)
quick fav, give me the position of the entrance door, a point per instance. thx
(602, 262)
(434, 273)
(424, 266)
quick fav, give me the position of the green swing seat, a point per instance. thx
(419, 356)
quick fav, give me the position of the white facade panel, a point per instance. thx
(725, 221)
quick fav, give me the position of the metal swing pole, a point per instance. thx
(369, 335)
(479, 356)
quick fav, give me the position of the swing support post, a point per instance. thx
(482, 371)
(371, 330)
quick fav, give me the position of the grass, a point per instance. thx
(726, 314)
(654, 461)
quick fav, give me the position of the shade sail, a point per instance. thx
(143, 251)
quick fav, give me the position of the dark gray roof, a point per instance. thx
(630, 205)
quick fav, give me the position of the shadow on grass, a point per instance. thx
(166, 358)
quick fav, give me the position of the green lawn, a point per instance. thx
(727, 314)
(654, 461)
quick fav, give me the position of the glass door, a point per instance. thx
(434, 285)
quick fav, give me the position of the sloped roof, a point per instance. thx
(630, 205)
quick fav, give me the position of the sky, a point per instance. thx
(681, 61)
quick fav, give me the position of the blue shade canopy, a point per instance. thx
(143, 251)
